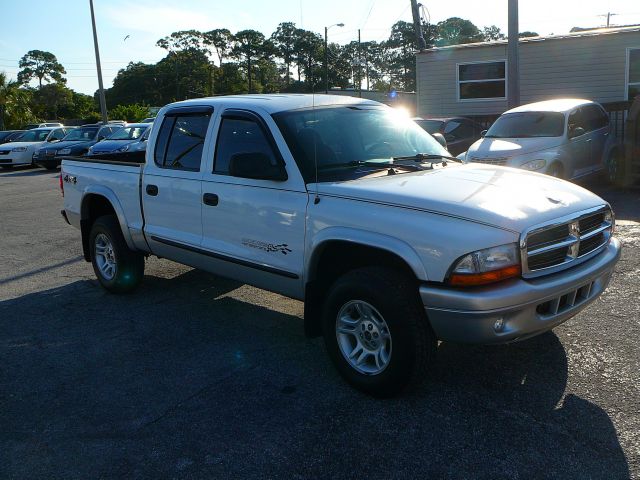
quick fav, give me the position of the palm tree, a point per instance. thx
(15, 107)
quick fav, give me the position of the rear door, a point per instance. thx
(597, 122)
(171, 190)
(254, 229)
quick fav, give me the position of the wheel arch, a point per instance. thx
(339, 250)
(96, 202)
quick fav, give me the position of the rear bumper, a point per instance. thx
(517, 309)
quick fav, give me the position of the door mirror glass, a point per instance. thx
(483, 133)
(256, 165)
(440, 139)
(576, 132)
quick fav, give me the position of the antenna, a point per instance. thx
(316, 199)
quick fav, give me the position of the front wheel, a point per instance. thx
(376, 331)
(119, 269)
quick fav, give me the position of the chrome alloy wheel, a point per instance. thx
(363, 337)
(105, 257)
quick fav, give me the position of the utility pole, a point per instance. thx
(608, 15)
(359, 67)
(103, 102)
(417, 26)
(326, 63)
(513, 60)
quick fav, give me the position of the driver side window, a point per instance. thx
(576, 120)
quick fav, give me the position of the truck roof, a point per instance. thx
(279, 102)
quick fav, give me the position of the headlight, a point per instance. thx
(124, 149)
(610, 217)
(534, 165)
(64, 151)
(486, 266)
(19, 149)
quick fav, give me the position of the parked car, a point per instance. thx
(7, 136)
(76, 143)
(31, 126)
(459, 132)
(565, 138)
(122, 140)
(342, 203)
(20, 151)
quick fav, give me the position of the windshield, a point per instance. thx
(33, 136)
(128, 133)
(431, 126)
(527, 124)
(341, 136)
(84, 133)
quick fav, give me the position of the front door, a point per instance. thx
(171, 188)
(578, 159)
(253, 228)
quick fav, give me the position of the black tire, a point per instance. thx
(395, 297)
(129, 265)
(556, 170)
(7, 167)
(50, 167)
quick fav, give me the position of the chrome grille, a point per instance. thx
(489, 161)
(566, 242)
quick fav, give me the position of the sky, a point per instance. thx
(64, 27)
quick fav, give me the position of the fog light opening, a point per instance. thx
(498, 325)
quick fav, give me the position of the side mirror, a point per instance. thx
(483, 133)
(256, 165)
(576, 132)
(440, 139)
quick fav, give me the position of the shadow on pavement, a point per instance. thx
(182, 380)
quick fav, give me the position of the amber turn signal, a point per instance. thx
(475, 279)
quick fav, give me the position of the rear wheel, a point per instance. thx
(119, 269)
(376, 331)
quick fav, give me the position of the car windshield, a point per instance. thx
(431, 126)
(128, 133)
(339, 137)
(84, 133)
(527, 124)
(37, 135)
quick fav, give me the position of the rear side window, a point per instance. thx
(180, 141)
(594, 117)
(57, 134)
(240, 135)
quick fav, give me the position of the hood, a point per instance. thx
(11, 145)
(507, 198)
(72, 143)
(510, 147)
(111, 145)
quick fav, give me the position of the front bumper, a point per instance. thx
(517, 309)
(15, 159)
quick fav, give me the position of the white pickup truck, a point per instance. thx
(357, 211)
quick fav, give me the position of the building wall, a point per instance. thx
(589, 66)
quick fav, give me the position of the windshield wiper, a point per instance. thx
(421, 157)
(370, 163)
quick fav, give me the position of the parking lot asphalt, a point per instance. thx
(195, 376)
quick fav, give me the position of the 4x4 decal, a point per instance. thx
(267, 247)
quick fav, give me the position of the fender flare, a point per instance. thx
(111, 197)
(363, 237)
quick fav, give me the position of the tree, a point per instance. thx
(41, 65)
(492, 33)
(456, 30)
(284, 40)
(249, 45)
(528, 34)
(401, 55)
(130, 113)
(222, 42)
(52, 100)
(15, 104)
(140, 83)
